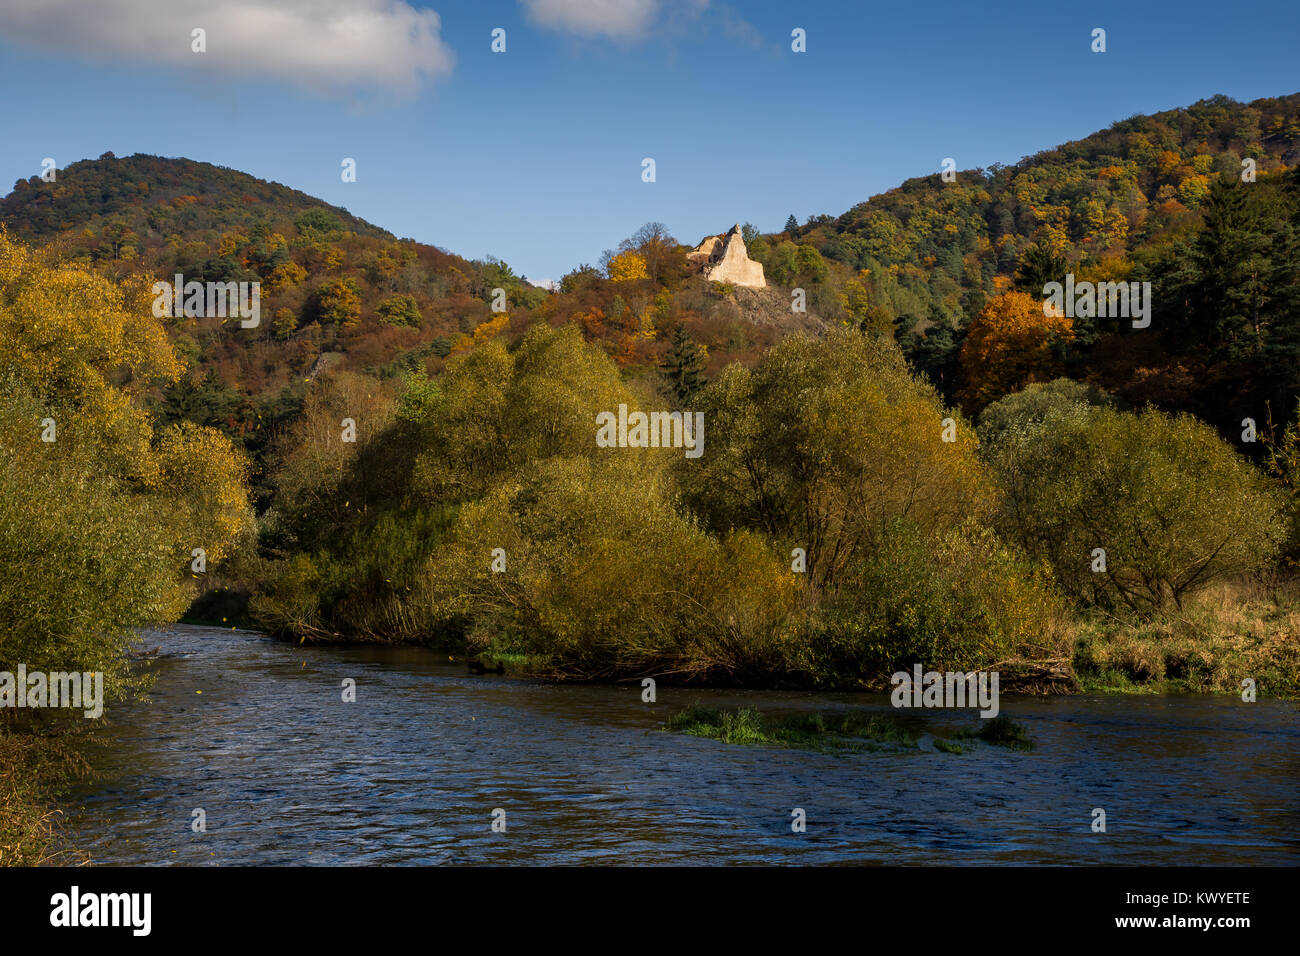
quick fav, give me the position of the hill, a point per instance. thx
(1152, 198)
(157, 197)
(1201, 202)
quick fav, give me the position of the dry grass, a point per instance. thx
(33, 769)
(1225, 634)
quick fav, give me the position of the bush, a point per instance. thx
(605, 578)
(824, 446)
(1029, 407)
(1173, 507)
(961, 601)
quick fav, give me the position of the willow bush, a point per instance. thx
(1173, 507)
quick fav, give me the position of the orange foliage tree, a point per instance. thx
(1009, 345)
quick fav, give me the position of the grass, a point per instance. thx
(1000, 730)
(834, 732)
(34, 770)
(1219, 637)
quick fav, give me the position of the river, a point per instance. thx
(255, 733)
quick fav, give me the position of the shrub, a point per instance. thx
(959, 601)
(1029, 407)
(825, 445)
(1173, 507)
(605, 578)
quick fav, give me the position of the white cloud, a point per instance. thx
(328, 46)
(613, 18)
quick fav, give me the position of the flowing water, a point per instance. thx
(256, 734)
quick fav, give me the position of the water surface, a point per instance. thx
(255, 732)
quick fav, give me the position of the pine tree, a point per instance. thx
(684, 364)
(1232, 269)
(1039, 265)
(791, 224)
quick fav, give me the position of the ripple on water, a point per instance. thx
(255, 732)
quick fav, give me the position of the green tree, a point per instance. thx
(825, 445)
(1040, 264)
(1172, 506)
(684, 365)
(399, 310)
(1233, 276)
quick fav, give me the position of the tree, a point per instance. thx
(861, 312)
(1010, 344)
(826, 445)
(581, 278)
(1040, 264)
(935, 352)
(100, 508)
(339, 303)
(1283, 462)
(653, 242)
(1233, 275)
(791, 224)
(627, 267)
(790, 264)
(399, 310)
(684, 364)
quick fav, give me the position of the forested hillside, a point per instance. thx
(1143, 200)
(1158, 198)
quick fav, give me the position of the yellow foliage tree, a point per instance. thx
(1008, 346)
(100, 512)
(627, 266)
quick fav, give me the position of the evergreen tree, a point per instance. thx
(1232, 271)
(1039, 265)
(791, 224)
(684, 364)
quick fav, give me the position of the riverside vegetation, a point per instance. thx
(476, 433)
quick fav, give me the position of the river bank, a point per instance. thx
(1220, 637)
(1207, 648)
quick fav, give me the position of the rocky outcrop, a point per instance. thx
(725, 259)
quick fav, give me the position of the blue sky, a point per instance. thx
(534, 155)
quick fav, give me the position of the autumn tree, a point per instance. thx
(1010, 344)
(339, 303)
(627, 267)
(653, 243)
(399, 310)
(101, 509)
